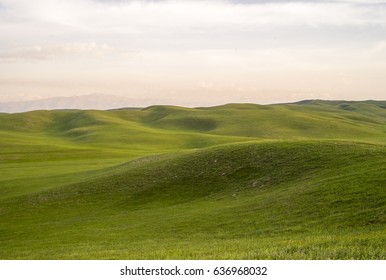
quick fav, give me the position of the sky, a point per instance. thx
(193, 53)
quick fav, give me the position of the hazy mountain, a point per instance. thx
(92, 101)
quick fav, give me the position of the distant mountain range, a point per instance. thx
(92, 101)
(106, 102)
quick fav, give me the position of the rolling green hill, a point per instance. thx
(239, 181)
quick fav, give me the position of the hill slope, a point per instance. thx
(257, 200)
(284, 181)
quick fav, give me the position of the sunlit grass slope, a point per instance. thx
(303, 180)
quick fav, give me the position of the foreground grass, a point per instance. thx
(366, 246)
(265, 200)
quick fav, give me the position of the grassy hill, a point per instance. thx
(239, 181)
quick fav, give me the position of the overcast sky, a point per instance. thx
(193, 53)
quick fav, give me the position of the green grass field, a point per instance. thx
(240, 181)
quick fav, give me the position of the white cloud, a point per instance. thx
(186, 24)
(200, 48)
(172, 16)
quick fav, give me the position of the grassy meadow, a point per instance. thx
(240, 181)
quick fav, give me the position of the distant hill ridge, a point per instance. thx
(108, 102)
(91, 101)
